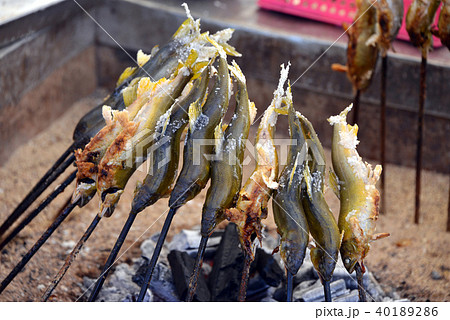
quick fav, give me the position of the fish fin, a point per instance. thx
(189, 27)
(237, 72)
(218, 137)
(129, 95)
(107, 114)
(339, 67)
(253, 111)
(195, 109)
(222, 37)
(125, 74)
(142, 58)
(334, 183)
(379, 236)
(144, 85)
(188, 65)
(342, 117)
(154, 51)
(219, 48)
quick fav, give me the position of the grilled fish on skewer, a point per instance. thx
(158, 181)
(226, 169)
(443, 31)
(419, 18)
(195, 172)
(121, 159)
(251, 206)
(361, 57)
(321, 222)
(161, 64)
(389, 21)
(354, 183)
(287, 205)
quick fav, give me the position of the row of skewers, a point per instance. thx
(171, 90)
(148, 112)
(376, 25)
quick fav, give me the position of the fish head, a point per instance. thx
(350, 255)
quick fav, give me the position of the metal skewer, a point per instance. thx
(156, 253)
(197, 268)
(423, 88)
(289, 285)
(112, 257)
(61, 217)
(245, 276)
(41, 207)
(71, 257)
(327, 290)
(384, 61)
(51, 175)
(356, 106)
(359, 278)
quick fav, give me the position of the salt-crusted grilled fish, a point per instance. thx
(389, 21)
(354, 183)
(361, 57)
(252, 203)
(419, 18)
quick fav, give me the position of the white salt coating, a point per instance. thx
(162, 121)
(188, 12)
(317, 181)
(279, 92)
(237, 72)
(348, 139)
(340, 118)
(201, 122)
(107, 114)
(185, 71)
(223, 36)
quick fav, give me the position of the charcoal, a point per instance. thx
(316, 294)
(208, 255)
(161, 285)
(352, 296)
(182, 265)
(268, 268)
(350, 279)
(305, 273)
(256, 288)
(226, 274)
(148, 246)
(373, 288)
(139, 276)
(188, 240)
(118, 286)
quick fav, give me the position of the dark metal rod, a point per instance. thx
(289, 286)
(327, 290)
(71, 257)
(448, 208)
(423, 88)
(356, 106)
(197, 267)
(63, 215)
(112, 256)
(156, 253)
(384, 61)
(41, 207)
(51, 175)
(245, 276)
(359, 278)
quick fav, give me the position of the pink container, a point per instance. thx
(330, 11)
